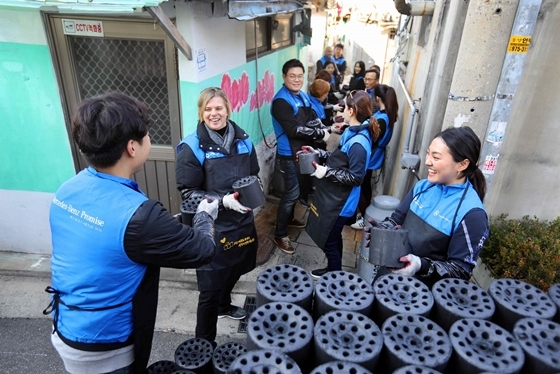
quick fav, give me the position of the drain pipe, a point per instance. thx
(415, 8)
(520, 39)
(408, 160)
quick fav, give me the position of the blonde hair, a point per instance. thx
(208, 94)
(319, 87)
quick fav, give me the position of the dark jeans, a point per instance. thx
(210, 304)
(125, 370)
(333, 246)
(288, 200)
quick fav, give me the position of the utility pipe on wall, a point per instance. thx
(415, 8)
(520, 39)
(412, 114)
(408, 161)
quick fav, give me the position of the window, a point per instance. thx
(272, 33)
(282, 34)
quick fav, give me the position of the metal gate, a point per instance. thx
(137, 58)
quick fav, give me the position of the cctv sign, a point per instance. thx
(82, 28)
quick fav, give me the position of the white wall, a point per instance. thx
(224, 47)
(24, 221)
(22, 27)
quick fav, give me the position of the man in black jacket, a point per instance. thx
(295, 124)
(109, 242)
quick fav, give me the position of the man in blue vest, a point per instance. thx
(292, 116)
(109, 242)
(327, 56)
(340, 62)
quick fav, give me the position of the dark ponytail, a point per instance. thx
(465, 145)
(478, 181)
(388, 96)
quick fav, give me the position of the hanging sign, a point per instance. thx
(82, 28)
(519, 44)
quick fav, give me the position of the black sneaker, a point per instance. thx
(318, 273)
(234, 313)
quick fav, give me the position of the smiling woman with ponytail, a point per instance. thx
(444, 215)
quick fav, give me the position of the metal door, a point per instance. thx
(135, 57)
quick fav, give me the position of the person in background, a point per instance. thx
(318, 92)
(371, 79)
(110, 240)
(327, 56)
(339, 180)
(335, 96)
(444, 214)
(291, 114)
(385, 99)
(209, 161)
(330, 66)
(357, 80)
(340, 64)
(317, 97)
(324, 75)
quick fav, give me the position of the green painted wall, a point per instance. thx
(246, 118)
(35, 153)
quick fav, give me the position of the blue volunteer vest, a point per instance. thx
(318, 107)
(91, 273)
(325, 59)
(192, 140)
(347, 140)
(339, 61)
(378, 154)
(439, 205)
(282, 140)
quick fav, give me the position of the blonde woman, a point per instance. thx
(209, 161)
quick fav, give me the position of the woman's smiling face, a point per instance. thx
(215, 113)
(357, 69)
(442, 168)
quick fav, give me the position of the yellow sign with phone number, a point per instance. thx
(519, 44)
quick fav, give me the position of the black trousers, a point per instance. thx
(211, 303)
(365, 193)
(334, 246)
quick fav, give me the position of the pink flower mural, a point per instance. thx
(265, 90)
(237, 90)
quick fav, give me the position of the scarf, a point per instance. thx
(224, 141)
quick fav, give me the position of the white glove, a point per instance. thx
(209, 207)
(320, 171)
(335, 128)
(337, 108)
(326, 135)
(411, 267)
(339, 95)
(230, 202)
